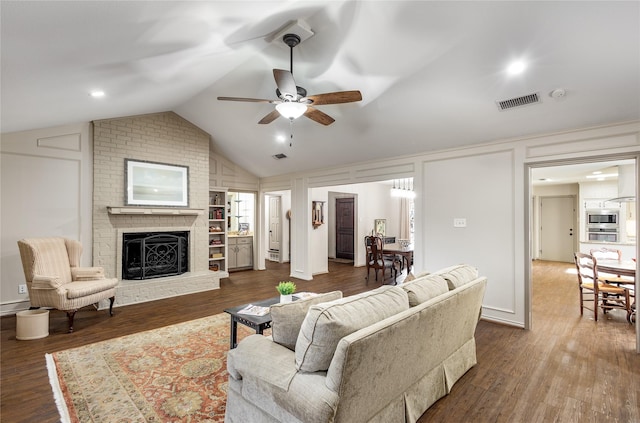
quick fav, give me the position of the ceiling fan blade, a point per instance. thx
(335, 98)
(270, 117)
(318, 116)
(285, 82)
(252, 100)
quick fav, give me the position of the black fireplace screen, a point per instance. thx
(149, 255)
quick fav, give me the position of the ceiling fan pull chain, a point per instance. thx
(291, 131)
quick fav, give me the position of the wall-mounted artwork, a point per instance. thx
(317, 213)
(156, 184)
(380, 227)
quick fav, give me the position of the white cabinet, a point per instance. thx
(217, 231)
(599, 203)
(240, 252)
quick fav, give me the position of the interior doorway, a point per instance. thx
(275, 231)
(276, 226)
(545, 172)
(556, 228)
(345, 218)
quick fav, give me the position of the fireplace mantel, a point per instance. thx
(154, 211)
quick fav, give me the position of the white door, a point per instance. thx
(557, 234)
(274, 223)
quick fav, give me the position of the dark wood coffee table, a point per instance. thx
(258, 323)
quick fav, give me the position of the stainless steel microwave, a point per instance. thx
(598, 217)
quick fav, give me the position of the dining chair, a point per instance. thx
(603, 295)
(377, 260)
(605, 253)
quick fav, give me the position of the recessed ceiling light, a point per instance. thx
(281, 138)
(516, 67)
(96, 94)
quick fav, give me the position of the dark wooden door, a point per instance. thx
(344, 228)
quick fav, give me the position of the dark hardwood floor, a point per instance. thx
(567, 369)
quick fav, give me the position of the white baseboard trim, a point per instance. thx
(7, 309)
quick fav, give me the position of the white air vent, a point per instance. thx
(518, 101)
(279, 156)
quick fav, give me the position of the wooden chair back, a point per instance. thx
(606, 253)
(587, 270)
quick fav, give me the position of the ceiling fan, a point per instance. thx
(293, 100)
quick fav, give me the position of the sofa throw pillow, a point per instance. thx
(287, 318)
(458, 275)
(326, 324)
(425, 288)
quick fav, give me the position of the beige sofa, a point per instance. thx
(385, 355)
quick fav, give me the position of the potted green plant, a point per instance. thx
(286, 290)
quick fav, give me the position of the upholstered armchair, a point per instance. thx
(55, 279)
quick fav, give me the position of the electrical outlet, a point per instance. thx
(22, 289)
(459, 222)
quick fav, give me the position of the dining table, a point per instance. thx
(617, 267)
(405, 252)
(626, 268)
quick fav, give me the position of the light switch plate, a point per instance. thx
(459, 222)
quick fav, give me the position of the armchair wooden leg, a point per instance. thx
(111, 301)
(70, 315)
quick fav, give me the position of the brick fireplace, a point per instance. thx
(163, 138)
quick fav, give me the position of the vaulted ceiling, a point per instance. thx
(430, 72)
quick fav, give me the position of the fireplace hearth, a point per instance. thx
(147, 255)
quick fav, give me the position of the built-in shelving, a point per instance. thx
(217, 219)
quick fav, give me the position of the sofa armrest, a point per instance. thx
(87, 273)
(271, 383)
(259, 357)
(45, 282)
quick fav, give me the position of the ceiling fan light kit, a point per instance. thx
(291, 109)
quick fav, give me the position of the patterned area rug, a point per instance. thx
(177, 373)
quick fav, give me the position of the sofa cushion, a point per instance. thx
(425, 288)
(86, 288)
(412, 276)
(327, 323)
(287, 318)
(458, 275)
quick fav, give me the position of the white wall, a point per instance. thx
(46, 191)
(481, 190)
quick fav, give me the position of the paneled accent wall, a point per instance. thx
(163, 138)
(226, 174)
(46, 184)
